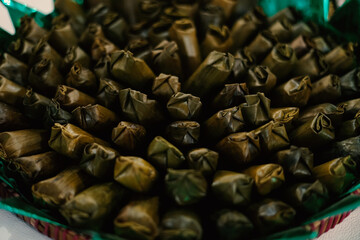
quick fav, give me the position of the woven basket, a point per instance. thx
(59, 233)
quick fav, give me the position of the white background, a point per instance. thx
(12, 228)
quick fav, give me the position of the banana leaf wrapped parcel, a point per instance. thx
(71, 98)
(98, 160)
(135, 173)
(81, 78)
(70, 140)
(138, 220)
(92, 206)
(61, 188)
(180, 224)
(128, 136)
(327, 89)
(349, 128)
(19, 143)
(338, 174)
(231, 95)
(333, 112)
(164, 86)
(182, 106)
(256, 110)
(204, 160)
(12, 118)
(11, 92)
(184, 133)
(350, 83)
(14, 69)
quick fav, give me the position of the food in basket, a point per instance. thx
(179, 119)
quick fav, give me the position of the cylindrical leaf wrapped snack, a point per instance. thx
(232, 188)
(138, 220)
(70, 140)
(232, 225)
(185, 187)
(38, 167)
(62, 188)
(327, 89)
(216, 39)
(12, 68)
(262, 45)
(182, 106)
(95, 118)
(256, 110)
(231, 95)
(21, 143)
(260, 79)
(91, 207)
(350, 83)
(82, 79)
(10, 92)
(223, 123)
(211, 74)
(35, 104)
(294, 93)
(308, 197)
(311, 64)
(184, 133)
(337, 174)
(164, 155)
(341, 59)
(282, 30)
(135, 173)
(240, 149)
(166, 59)
(130, 70)
(108, 93)
(138, 108)
(98, 160)
(180, 224)
(164, 86)
(350, 128)
(286, 116)
(267, 177)
(280, 60)
(315, 132)
(128, 136)
(297, 162)
(74, 55)
(204, 160)
(71, 98)
(30, 30)
(12, 119)
(269, 215)
(55, 114)
(335, 113)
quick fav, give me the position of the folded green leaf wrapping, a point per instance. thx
(128, 136)
(82, 79)
(10, 92)
(71, 98)
(232, 188)
(184, 106)
(256, 110)
(185, 186)
(70, 140)
(138, 220)
(164, 86)
(267, 177)
(333, 112)
(12, 118)
(260, 79)
(184, 133)
(98, 160)
(14, 69)
(204, 160)
(164, 155)
(91, 207)
(231, 95)
(135, 173)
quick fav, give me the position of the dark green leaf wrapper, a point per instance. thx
(223, 123)
(314, 133)
(348, 129)
(216, 39)
(308, 197)
(267, 177)
(14, 69)
(138, 108)
(335, 113)
(282, 30)
(231, 95)
(102, 47)
(327, 89)
(135, 173)
(98, 160)
(185, 187)
(10, 92)
(311, 64)
(95, 118)
(164, 155)
(341, 59)
(262, 45)
(164, 86)
(210, 75)
(182, 106)
(338, 174)
(260, 79)
(209, 14)
(180, 224)
(91, 207)
(203, 160)
(71, 98)
(38, 167)
(351, 107)
(232, 188)
(70, 140)
(350, 83)
(74, 55)
(240, 149)
(19, 143)
(270, 215)
(232, 225)
(108, 93)
(286, 116)
(184, 133)
(62, 188)
(138, 220)
(55, 114)
(35, 104)
(166, 59)
(82, 79)
(297, 162)
(294, 93)
(12, 119)
(128, 136)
